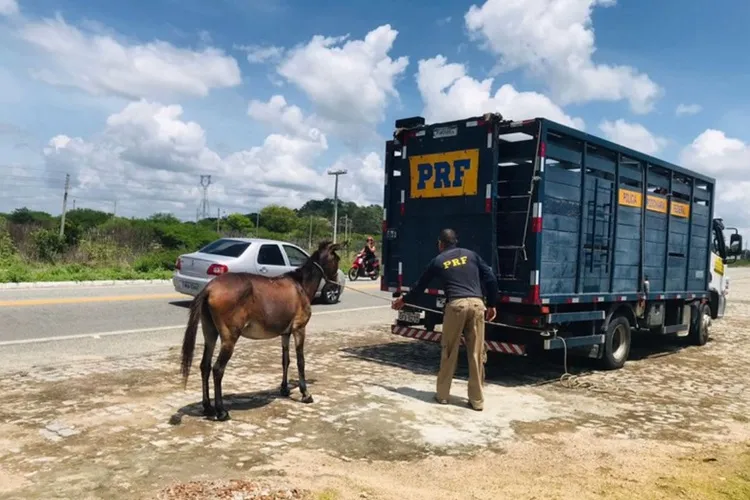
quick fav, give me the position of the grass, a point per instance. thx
(16, 272)
(724, 475)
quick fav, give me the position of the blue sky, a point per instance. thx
(618, 69)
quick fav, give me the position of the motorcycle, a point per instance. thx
(358, 268)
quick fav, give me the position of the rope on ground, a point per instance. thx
(567, 380)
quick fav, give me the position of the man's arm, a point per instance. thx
(489, 279)
(423, 280)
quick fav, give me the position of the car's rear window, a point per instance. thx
(226, 248)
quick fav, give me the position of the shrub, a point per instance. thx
(163, 260)
(47, 244)
(7, 248)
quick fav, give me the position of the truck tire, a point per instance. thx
(698, 326)
(616, 344)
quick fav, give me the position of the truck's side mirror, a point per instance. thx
(735, 244)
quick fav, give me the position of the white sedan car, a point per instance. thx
(258, 256)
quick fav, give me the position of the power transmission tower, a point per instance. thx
(65, 206)
(336, 173)
(205, 182)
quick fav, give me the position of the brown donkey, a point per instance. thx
(236, 305)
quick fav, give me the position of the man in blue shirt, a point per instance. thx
(466, 279)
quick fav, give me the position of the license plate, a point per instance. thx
(440, 302)
(190, 286)
(409, 317)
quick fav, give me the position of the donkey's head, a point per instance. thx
(327, 258)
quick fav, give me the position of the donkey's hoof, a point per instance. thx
(222, 415)
(307, 399)
(285, 391)
(209, 411)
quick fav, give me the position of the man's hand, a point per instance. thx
(398, 303)
(490, 314)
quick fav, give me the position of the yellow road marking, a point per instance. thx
(127, 298)
(85, 300)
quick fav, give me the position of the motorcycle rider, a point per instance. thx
(369, 254)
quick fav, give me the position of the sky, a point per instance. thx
(136, 100)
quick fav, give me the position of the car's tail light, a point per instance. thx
(178, 264)
(217, 269)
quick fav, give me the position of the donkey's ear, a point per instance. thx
(334, 247)
(323, 245)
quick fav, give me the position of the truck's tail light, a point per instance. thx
(217, 269)
(178, 264)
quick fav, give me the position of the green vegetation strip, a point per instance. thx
(99, 246)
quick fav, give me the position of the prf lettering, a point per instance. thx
(444, 174)
(455, 262)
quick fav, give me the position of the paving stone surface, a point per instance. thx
(119, 427)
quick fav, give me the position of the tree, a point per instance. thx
(278, 219)
(26, 216)
(238, 223)
(86, 218)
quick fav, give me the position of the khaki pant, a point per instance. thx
(463, 316)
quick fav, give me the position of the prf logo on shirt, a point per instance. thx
(461, 261)
(444, 174)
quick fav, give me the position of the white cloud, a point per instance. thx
(554, 41)
(726, 159)
(688, 109)
(632, 135)
(288, 118)
(149, 158)
(713, 153)
(364, 178)
(102, 65)
(8, 7)
(348, 81)
(450, 94)
(260, 54)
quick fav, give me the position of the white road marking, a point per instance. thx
(152, 329)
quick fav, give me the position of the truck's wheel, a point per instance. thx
(616, 344)
(699, 325)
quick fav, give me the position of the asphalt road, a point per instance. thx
(61, 325)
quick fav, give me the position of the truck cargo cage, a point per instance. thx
(580, 231)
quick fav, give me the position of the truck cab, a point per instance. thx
(721, 255)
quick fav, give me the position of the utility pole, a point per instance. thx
(309, 242)
(205, 182)
(218, 220)
(65, 206)
(336, 174)
(257, 223)
(74, 203)
(114, 208)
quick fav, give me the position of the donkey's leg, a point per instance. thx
(225, 354)
(299, 343)
(285, 365)
(210, 334)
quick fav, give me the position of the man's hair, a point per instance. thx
(448, 237)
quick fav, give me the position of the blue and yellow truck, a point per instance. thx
(591, 241)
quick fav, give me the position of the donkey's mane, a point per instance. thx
(306, 270)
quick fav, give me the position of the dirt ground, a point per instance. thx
(674, 423)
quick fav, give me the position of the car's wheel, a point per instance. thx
(330, 294)
(616, 344)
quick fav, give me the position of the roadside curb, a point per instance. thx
(63, 284)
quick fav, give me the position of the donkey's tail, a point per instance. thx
(188, 340)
